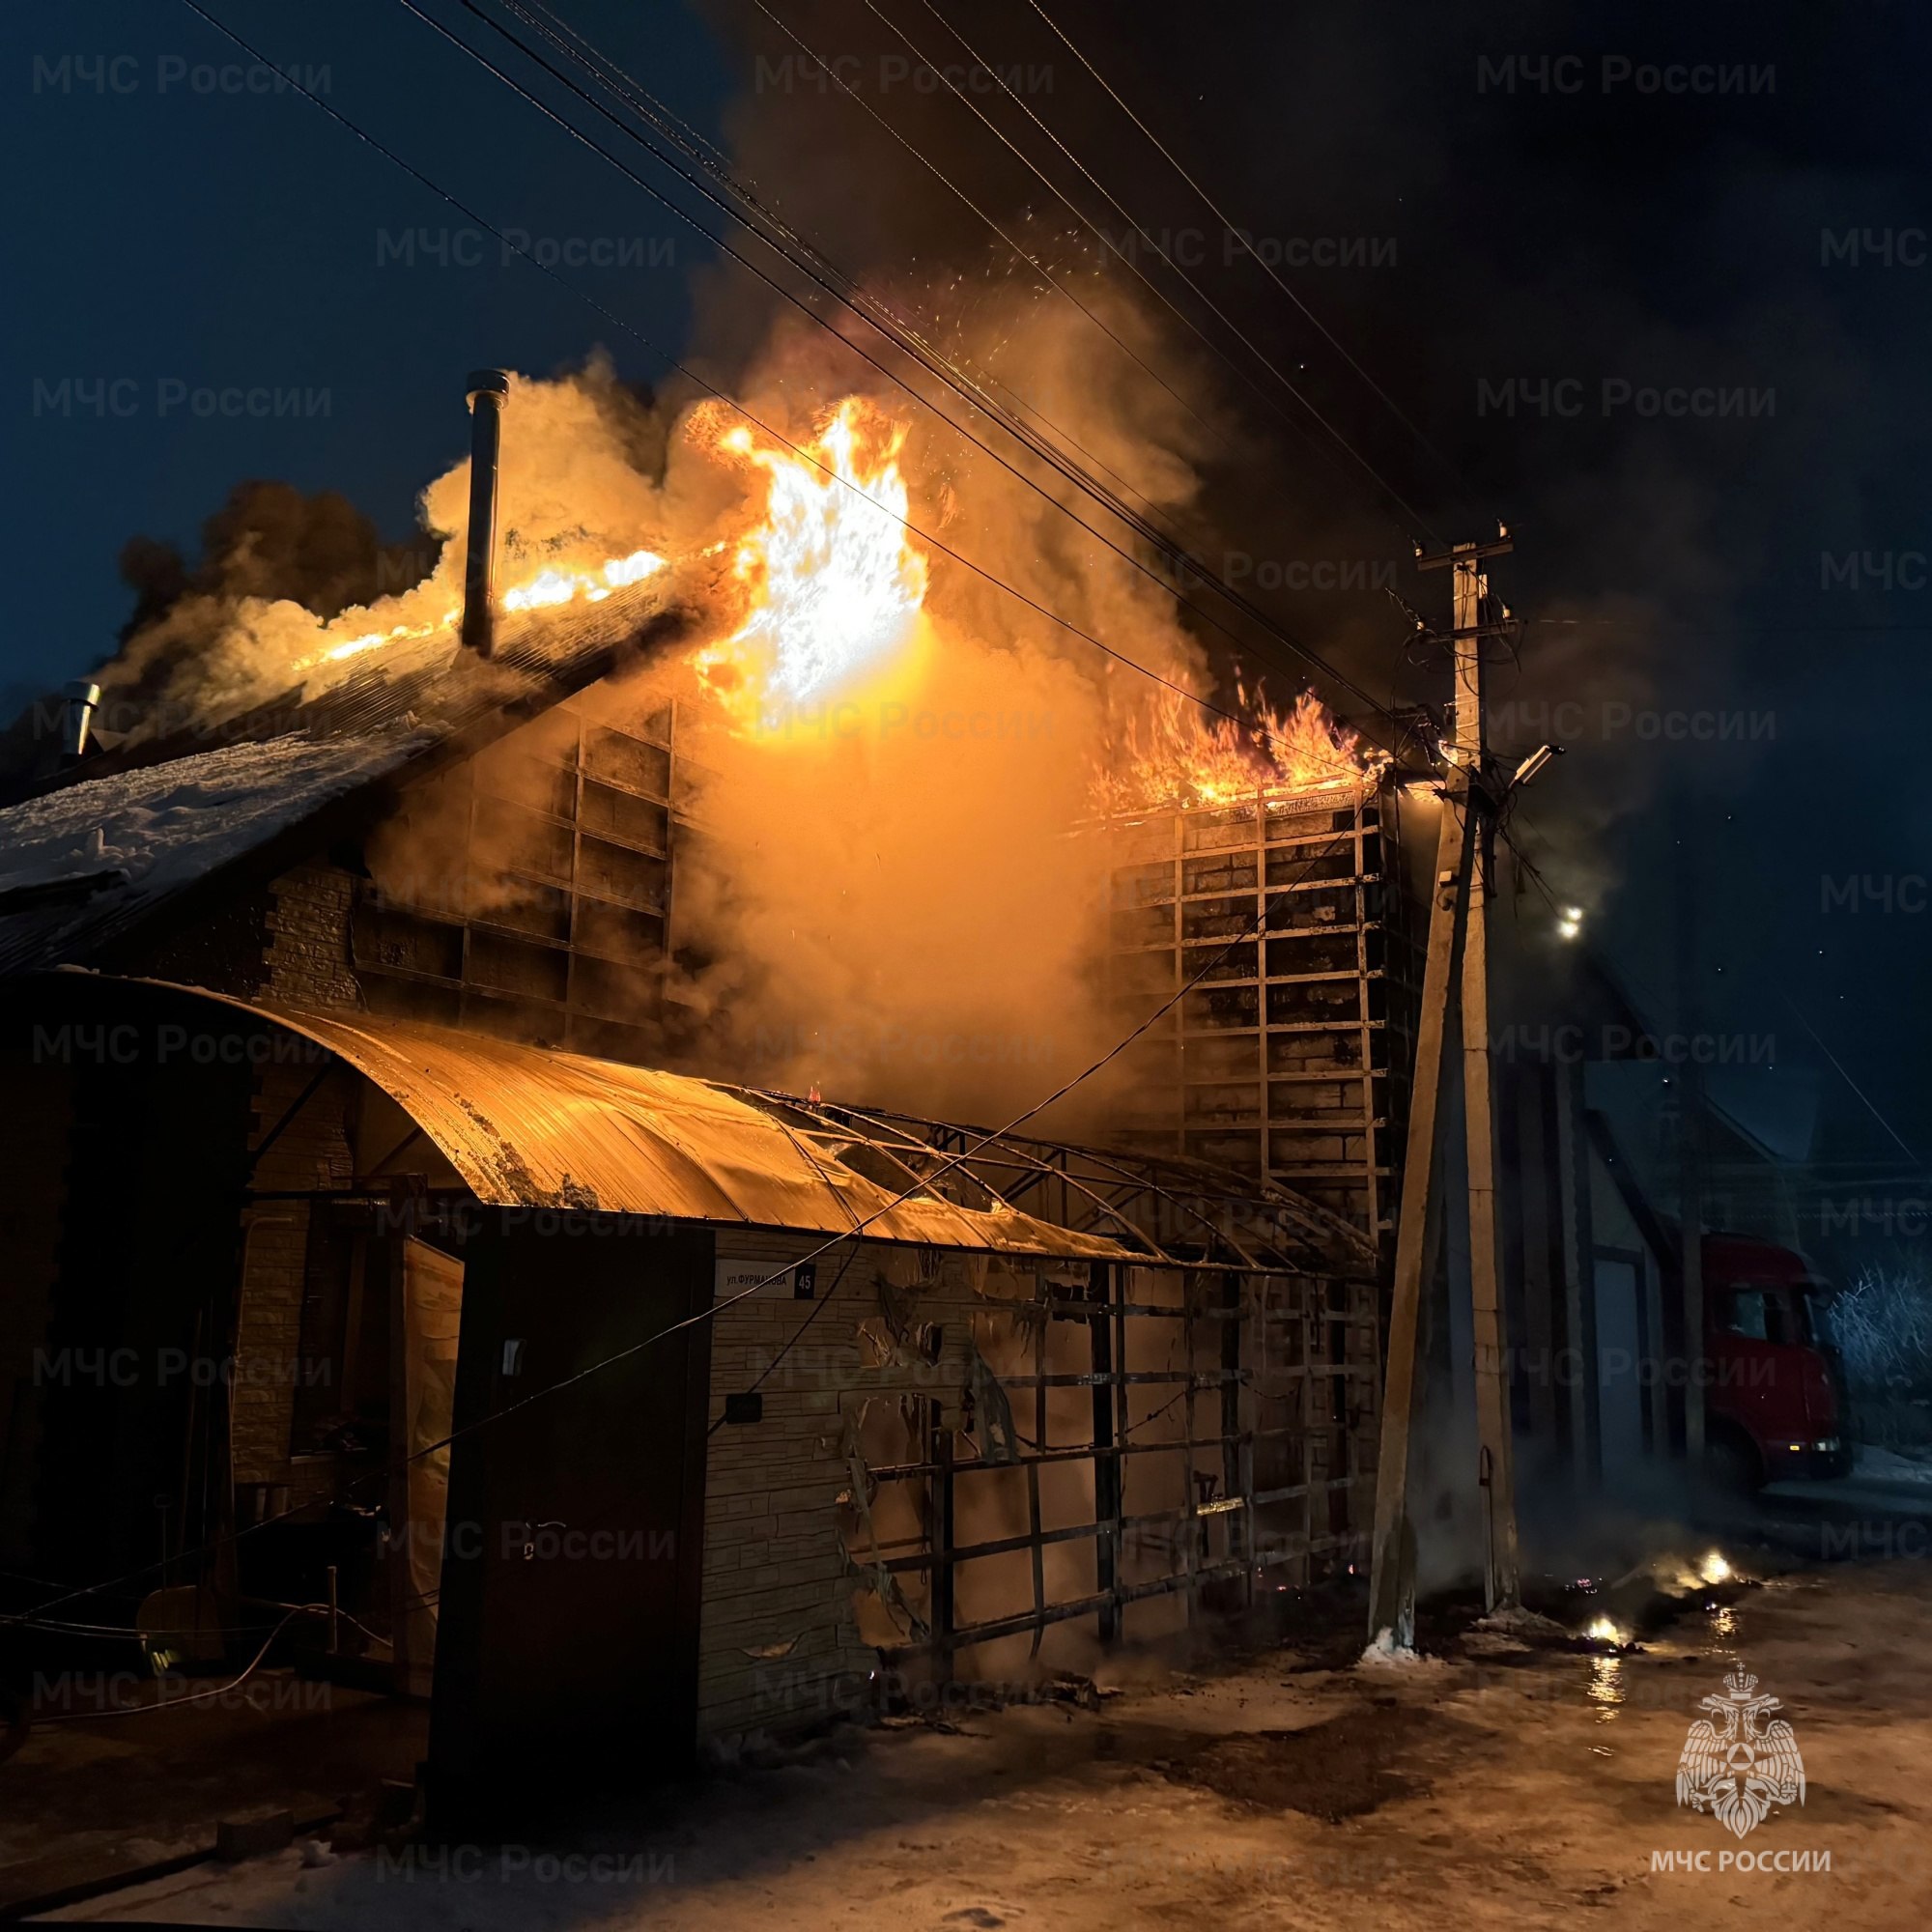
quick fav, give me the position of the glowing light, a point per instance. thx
(1603, 1630)
(833, 584)
(1714, 1569)
(1177, 756)
(565, 586)
(552, 587)
(1607, 1687)
(632, 569)
(1570, 922)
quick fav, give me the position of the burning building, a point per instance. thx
(405, 1090)
(1266, 894)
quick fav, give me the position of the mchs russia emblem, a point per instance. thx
(1735, 1764)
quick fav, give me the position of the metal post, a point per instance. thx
(1689, 1163)
(1106, 1460)
(488, 389)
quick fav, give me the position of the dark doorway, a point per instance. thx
(124, 1169)
(567, 1650)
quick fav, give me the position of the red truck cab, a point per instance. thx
(1774, 1400)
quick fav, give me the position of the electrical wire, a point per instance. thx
(199, 1696)
(1227, 321)
(614, 79)
(1241, 235)
(717, 394)
(1838, 1065)
(935, 365)
(618, 81)
(938, 174)
(797, 1334)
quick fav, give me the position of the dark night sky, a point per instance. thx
(164, 234)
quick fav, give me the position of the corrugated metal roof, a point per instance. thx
(528, 1126)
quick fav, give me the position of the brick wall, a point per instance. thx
(307, 952)
(312, 1152)
(780, 1646)
(305, 961)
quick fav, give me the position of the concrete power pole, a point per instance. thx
(1458, 925)
(1496, 1466)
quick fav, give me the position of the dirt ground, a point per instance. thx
(89, 1797)
(1509, 1780)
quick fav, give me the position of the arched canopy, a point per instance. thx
(529, 1126)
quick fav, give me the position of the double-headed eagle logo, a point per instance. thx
(1738, 1767)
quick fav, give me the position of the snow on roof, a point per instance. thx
(88, 855)
(162, 824)
(167, 814)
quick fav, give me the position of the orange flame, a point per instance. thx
(1181, 757)
(548, 587)
(565, 586)
(833, 583)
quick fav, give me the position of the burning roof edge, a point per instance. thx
(526, 1127)
(48, 921)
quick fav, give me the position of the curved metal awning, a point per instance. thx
(529, 1126)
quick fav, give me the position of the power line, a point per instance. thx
(620, 83)
(933, 168)
(1838, 1065)
(1242, 237)
(938, 172)
(1227, 321)
(717, 394)
(921, 352)
(559, 30)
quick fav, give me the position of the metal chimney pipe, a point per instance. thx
(82, 696)
(488, 390)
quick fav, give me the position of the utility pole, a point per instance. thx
(1496, 1466)
(1689, 1157)
(1457, 927)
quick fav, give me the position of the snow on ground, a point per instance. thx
(1496, 1791)
(1384, 1653)
(1886, 1466)
(164, 824)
